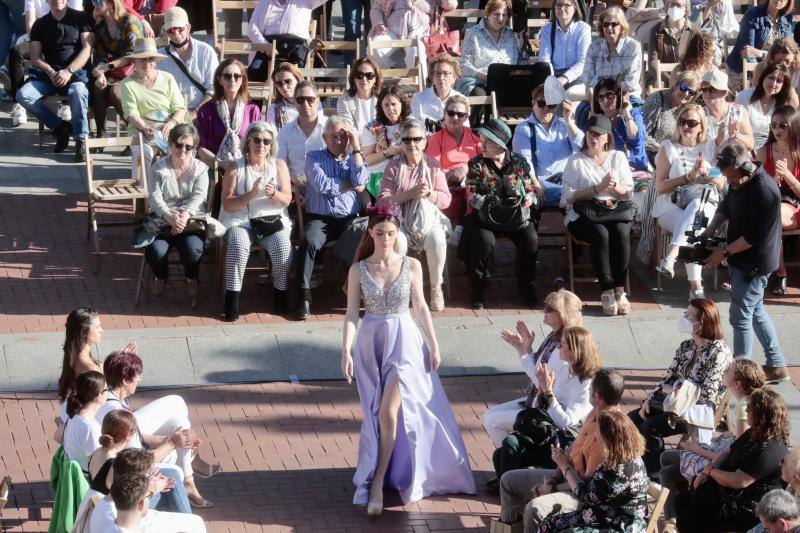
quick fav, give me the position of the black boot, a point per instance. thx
(62, 131)
(232, 306)
(478, 286)
(280, 302)
(303, 310)
(80, 145)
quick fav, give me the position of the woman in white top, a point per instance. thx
(429, 104)
(358, 105)
(774, 90)
(728, 122)
(684, 163)
(82, 432)
(595, 179)
(257, 187)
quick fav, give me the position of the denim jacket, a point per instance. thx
(754, 31)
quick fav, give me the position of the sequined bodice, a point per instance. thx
(391, 300)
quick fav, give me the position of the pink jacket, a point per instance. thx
(392, 182)
(403, 18)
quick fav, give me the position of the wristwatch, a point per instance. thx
(71, 69)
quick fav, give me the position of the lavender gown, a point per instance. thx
(429, 456)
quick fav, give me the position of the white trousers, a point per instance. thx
(677, 221)
(499, 420)
(162, 417)
(435, 247)
(163, 522)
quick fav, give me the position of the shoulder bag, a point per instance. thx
(602, 211)
(181, 65)
(441, 40)
(683, 196)
(503, 213)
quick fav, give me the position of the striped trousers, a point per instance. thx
(239, 239)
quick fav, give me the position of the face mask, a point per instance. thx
(685, 326)
(675, 13)
(181, 45)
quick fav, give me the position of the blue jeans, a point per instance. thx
(748, 314)
(353, 12)
(552, 191)
(30, 97)
(174, 500)
(190, 249)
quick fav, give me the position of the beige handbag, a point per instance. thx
(683, 396)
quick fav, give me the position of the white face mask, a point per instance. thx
(675, 13)
(685, 326)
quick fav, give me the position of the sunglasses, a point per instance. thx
(778, 125)
(184, 147)
(305, 100)
(686, 89)
(543, 104)
(415, 140)
(610, 24)
(455, 114)
(285, 83)
(258, 141)
(689, 123)
(230, 76)
(364, 75)
(98, 2)
(547, 308)
(173, 31)
(606, 96)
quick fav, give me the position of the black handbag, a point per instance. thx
(266, 225)
(503, 213)
(288, 49)
(600, 211)
(535, 425)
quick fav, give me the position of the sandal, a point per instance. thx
(609, 302)
(205, 504)
(779, 288)
(213, 470)
(623, 305)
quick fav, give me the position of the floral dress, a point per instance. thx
(611, 500)
(483, 178)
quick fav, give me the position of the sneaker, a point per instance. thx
(667, 267)
(697, 293)
(623, 305)
(18, 115)
(609, 302)
(437, 299)
(776, 374)
(64, 113)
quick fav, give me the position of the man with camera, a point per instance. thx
(752, 209)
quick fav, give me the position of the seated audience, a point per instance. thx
(381, 137)
(164, 425)
(401, 19)
(287, 20)
(152, 103)
(600, 176)
(336, 176)
(716, 17)
(223, 122)
(282, 110)
(532, 494)
(614, 498)
(727, 492)
(150, 13)
(82, 432)
(670, 39)
(627, 122)
(768, 20)
(131, 498)
(255, 194)
(61, 46)
(785, 51)
(774, 90)
(563, 393)
(302, 135)
(778, 512)
(415, 182)
(661, 108)
(357, 106)
(613, 54)
(679, 467)
(781, 161)
(499, 181)
(682, 166)
(191, 62)
(702, 55)
(728, 122)
(177, 196)
(115, 32)
(564, 43)
(429, 104)
(701, 359)
(546, 141)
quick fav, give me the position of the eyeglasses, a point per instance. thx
(442, 73)
(258, 141)
(305, 100)
(415, 140)
(231, 76)
(184, 147)
(682, 87)
(285, 83)
(778, 125)
(609, 96)
(610, 24)
(688, 122)
(359, 75)
(456, 114)
(564, 5)
(543, 104)
(173, 31)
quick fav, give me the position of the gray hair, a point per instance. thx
(457, 99)
(411, 124)
(261, 126)
(777, 504)
(333, 122)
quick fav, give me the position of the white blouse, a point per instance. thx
(81, 439)
(759, 119)
(581, 172)
(261, 205)
(682, 160)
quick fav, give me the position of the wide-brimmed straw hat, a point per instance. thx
(144, 48)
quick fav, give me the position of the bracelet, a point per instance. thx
(357, 152)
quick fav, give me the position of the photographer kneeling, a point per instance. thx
(752, 209)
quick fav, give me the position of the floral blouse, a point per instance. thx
(108, 47)
(661, 119)
(611, 500)
(480, 49)
(705, 370)
(483, 179)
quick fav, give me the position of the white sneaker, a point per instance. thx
(667, 266)
(64, 113)
(18, 115)
(697, 293)
(437, 299)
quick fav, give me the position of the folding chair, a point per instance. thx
(663, 239)
(330, 82)
(219, 7)
(409, 80)
(320, 48)
(748, 72)
(111, 190)
(662, 72)
(570, 260)
(535, 26)
(398, 44)
(657, 496)
(488, 103)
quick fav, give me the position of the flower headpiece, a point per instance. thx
(383, 209)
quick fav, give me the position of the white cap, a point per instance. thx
(175, 17)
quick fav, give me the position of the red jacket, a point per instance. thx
(162, 6)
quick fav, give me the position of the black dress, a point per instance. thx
(99, 481)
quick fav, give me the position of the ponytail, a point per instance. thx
(88, 386)
(118, 425)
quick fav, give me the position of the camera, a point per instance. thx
(696, 251)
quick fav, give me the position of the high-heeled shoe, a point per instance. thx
(779, 288)
(374, 508)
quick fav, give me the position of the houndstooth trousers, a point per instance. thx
(239, 239)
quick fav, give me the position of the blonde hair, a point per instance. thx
(697, 108)
(618, 14)
(581, 343)
(494, 5)
(568, 306)
(457, 99)
(620, 439)
(685, 76)
(118, 10)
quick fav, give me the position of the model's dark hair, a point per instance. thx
(88, 386)
(127, 490)
(405, 106)
(133, 461)
(613, 86)
(78, 323)
(788, 112)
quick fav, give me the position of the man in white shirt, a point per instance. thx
(303, 134)
(106, 518)
(197, 59)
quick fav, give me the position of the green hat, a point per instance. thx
(496, 131)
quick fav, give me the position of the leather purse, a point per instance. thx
(440, 39)
(503, 213)
(601, 211)
(266, 225)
